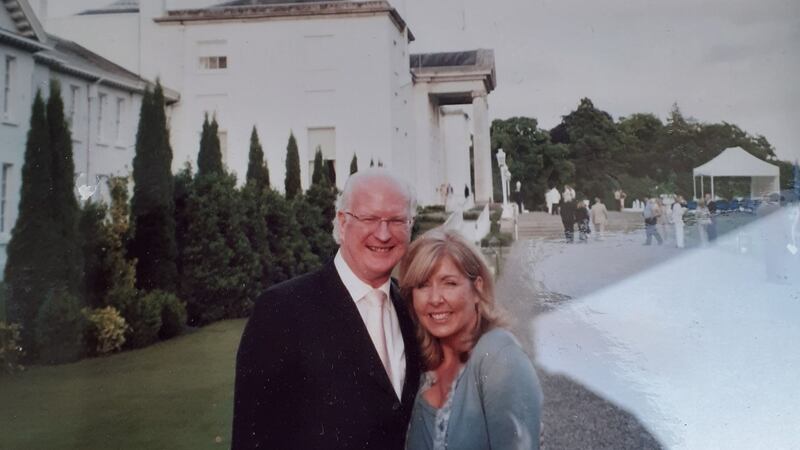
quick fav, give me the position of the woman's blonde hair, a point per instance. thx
(423, 259)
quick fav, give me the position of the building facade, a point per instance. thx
(101, 106)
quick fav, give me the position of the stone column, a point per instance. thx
(482, 148)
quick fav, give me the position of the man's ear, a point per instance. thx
(341, 217)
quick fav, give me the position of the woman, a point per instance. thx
(480, 391)
(599, 217)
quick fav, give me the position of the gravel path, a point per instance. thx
(574, 417)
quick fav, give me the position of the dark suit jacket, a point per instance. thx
(308, 375)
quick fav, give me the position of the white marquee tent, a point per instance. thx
(736, 162)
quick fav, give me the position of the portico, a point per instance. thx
(442, 83)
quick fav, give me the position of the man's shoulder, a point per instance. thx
(292, 293)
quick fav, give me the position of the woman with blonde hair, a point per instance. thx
(480, 390)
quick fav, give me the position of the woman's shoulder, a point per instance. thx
(494, 340)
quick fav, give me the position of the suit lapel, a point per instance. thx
(350, 327)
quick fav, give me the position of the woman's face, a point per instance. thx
(446, 304)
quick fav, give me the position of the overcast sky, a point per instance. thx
(720, 60)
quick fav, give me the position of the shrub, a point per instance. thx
(10, 347)
(471, 215)
(59, 328)
(143, 314)
(105, 330)
(173, 315)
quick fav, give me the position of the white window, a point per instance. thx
(118, 118)
(8, 86)
(72, 113)
(102, 107)
(213, 62)
(4, 196)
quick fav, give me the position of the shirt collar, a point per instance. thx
(354, 285)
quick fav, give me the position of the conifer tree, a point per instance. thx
(319, 173)
(255, 228)
(30, 266)
(371, 162)
(209, 158)
(354, 164)
(63, 204)
(292, 180)
(257, 171)
(152, 206)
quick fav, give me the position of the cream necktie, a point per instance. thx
(376, 325)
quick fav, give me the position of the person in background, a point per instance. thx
(599, 215)
(480, 390)
(582, 219)
(703, 217)
(567, 211)
(650, 214)
(711, 229)
(678, 209)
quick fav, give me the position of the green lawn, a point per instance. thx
(173, 395)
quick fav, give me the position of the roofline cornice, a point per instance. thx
(22, 42)
(282, 11)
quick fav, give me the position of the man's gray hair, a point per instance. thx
(356, 179)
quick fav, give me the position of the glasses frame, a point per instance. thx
(374, 222)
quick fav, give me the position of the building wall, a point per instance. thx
(13, 131)
(291, 76)
(118, 35)
(110, 155)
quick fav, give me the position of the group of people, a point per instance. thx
(348, 358)
(658, 217)
(578, 213)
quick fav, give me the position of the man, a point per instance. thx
(651, 214)
(328, 360)
(712, 210)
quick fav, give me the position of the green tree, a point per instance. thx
(218, 263)
(255, 204)
(209, 158)
(292, 180)
(152, 206)
(93, 237)
(257, 171)
(354, 164)
(119, 271)
(319, 175)
(64, 210)
(30, 265)
(532, 158)
(594, 146)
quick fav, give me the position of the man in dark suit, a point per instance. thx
(325, 361)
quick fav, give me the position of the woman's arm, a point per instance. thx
(512, 399)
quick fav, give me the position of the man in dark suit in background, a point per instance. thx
(328, 360)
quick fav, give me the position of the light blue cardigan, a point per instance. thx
(495, 403)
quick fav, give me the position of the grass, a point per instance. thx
(176, 394)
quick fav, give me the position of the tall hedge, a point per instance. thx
(292, 180)
(152, 207)
(257, 170)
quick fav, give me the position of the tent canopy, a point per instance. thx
(736, 162)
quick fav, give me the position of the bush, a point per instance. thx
(59, 328)
(105, 330)
(173, 315)
(143, 314)
(472, 215)
(10, 347)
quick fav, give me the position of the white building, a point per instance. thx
(337, 74)
(101, 102)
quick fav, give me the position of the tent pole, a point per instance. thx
(702, 188)
(712, 188)
(694, 186)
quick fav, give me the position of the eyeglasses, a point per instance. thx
(372, 222)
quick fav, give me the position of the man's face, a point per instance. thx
(373, 249)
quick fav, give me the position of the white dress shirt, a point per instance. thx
(394, 338)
